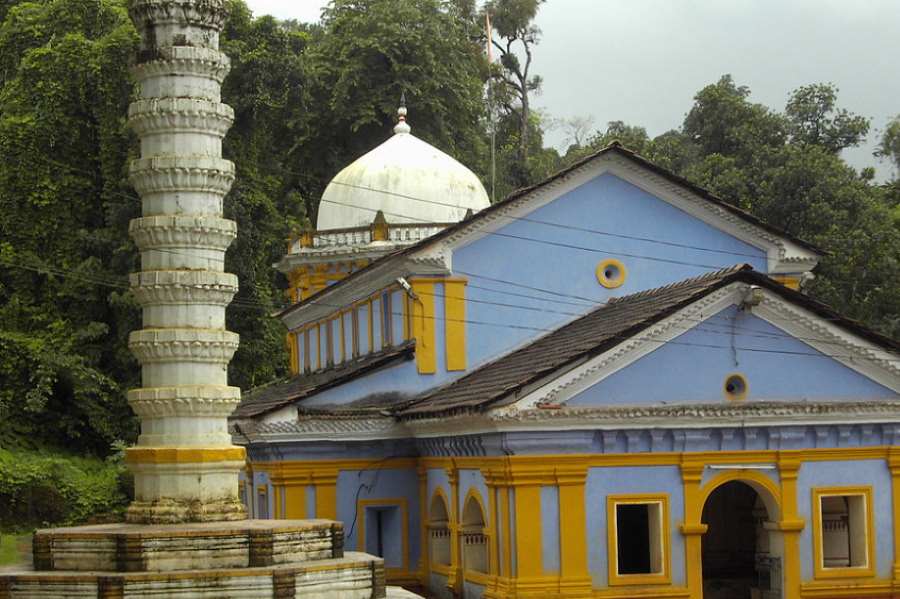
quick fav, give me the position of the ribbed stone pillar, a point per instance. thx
(184, 464)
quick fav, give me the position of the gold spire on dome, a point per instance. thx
(402, 126)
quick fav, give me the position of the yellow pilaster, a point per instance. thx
(276, 499)
(454, 575)
(424, 518)
(575, 579)
(292, 348)
(894, 465)
(692, 528)
(326, 494)
(423, 325)
(295, 501)
(528, 532)
(791, 524)
(455, 323)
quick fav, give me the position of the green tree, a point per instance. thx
(515, 33)
(267, 89)
(814, 119)
(368, 54)
(64, 206)
(889, 147)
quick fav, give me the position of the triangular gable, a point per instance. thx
(784, 352)
(785, 254)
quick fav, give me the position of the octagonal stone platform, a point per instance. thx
(354, 576)
(196, 546)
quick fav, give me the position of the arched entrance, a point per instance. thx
(740, 551)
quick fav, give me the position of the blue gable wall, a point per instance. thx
(694, 366)
(606, 203)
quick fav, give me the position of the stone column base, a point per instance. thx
(174, 511)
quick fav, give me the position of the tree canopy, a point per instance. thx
(308, 99)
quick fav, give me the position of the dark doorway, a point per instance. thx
(735, 548)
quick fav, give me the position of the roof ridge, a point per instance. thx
(712, 275)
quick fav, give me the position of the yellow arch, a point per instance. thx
(768, 490)
(439, 493)
(474, 494)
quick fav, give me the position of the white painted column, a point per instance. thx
(184, 464)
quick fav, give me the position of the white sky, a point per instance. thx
(642, 61)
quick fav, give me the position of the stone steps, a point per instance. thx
(353, 576)
(200, 546)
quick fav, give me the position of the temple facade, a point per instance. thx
(610, 384)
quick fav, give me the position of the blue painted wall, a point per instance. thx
(693, 368)
(608, 204)
(874, 473)
(354, 485)
(612, 481)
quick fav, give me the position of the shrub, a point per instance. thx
(44, 489)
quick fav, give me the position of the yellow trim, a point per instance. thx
(529, 562)
(573, 539)
(791, 523)
(819, 570)
(424, 538)
(894, 465)
(736, 396)
(789, 281)
(406, 317)
(754, 479)
(616, 579)
(423, 325)
(326, 500)
(177, 455)
(455, 323)
(294, 502)
(291, 341)
(847, 590)
(387, 502)
(606, 281)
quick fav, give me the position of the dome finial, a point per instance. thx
(402, 125)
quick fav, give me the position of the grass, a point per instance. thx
(15, 549)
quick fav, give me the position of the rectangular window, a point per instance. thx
(329, 343)
(638, 540)
(843, 531)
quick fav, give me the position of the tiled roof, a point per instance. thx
(591, 334)
(281, 393)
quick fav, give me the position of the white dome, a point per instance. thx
(395, 178)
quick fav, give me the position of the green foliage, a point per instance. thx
(815, 120)
(372, 51)
(64, 207)
(890, 145)
(39, 490)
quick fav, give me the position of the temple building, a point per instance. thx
(609, 384)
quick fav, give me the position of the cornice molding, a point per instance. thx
(195, 232)
(162, 174)
(183, 345)
(209, 14)
(188, 400)
(159, 287)
(180, 115)
(786, 413)
(174, 61)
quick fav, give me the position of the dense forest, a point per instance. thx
(308, 99)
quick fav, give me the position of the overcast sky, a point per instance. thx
(642, 61)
